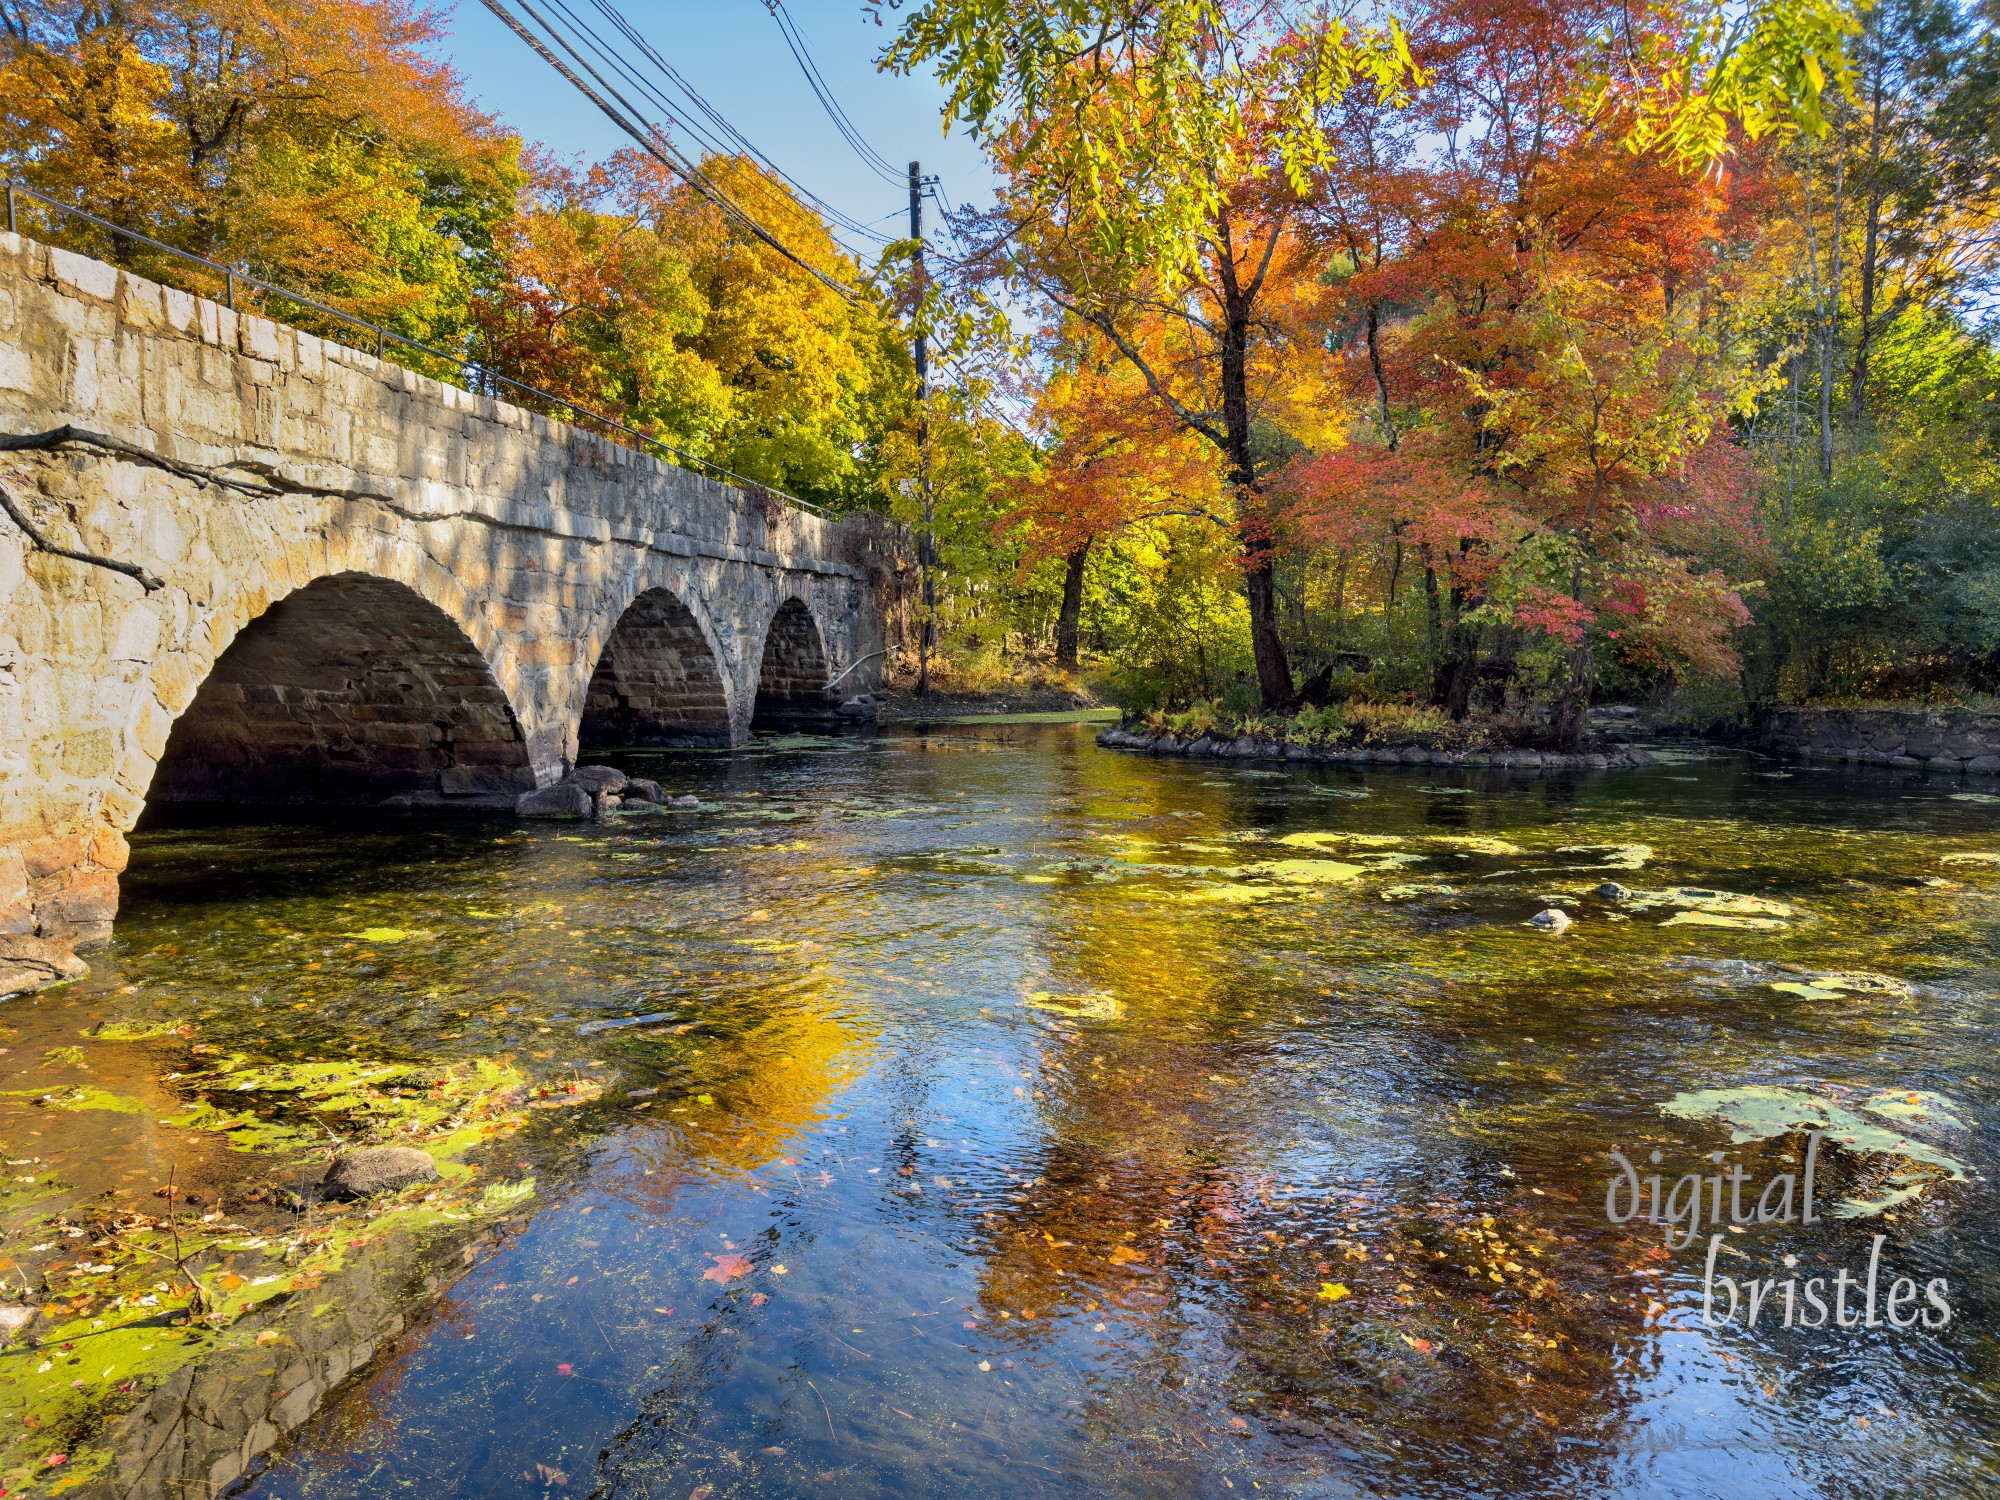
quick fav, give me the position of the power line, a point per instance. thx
(795, 39)
(654, 141)
(732, 141)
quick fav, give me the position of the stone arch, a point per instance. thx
(351, 689)
(791, 680)
(658, 680)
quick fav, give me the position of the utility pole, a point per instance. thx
(926, 545)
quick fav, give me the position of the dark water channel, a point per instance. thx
(1033, 1119)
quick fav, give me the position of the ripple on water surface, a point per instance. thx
(977, 1111)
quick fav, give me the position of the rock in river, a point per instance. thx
(563, 800)
(1552, 920)
(376, 1169)
(599, 778)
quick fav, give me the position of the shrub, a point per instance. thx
(1319, 726)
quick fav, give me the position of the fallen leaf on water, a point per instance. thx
(571, 1282)
(564, 1370)
(758, 1299)
(1333, 1291)
(1422, 1346)
(1124, 1255)
(727, 1268)
(552, 1476)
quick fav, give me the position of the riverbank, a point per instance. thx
(902, 706)
(1266, 747)
(1955, 741)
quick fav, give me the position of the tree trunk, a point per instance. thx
(1072, 607)
(1857, 384)
(1830, 329)
(1267, 647)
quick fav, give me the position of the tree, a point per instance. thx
(1115, 460)
(314, 143)
(1180, 270)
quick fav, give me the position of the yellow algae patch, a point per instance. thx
(1616, 856)
(1098, 1007)
(386, 934)
(1722, 919)
(1477, 844)
(1307, 871)
(1329, 840)
(1969, 857)
(1233, 895)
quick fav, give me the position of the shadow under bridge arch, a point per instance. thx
(352, 690)
(791, 681)
(656, 682)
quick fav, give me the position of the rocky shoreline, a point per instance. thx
(1253, 747)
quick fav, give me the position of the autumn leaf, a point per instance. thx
(1125, 1255)
(1333, 1291)
(727, 1268)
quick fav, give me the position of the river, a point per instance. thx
(994, 1113)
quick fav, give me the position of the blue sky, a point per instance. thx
(734, 54)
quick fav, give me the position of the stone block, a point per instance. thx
(297, 1405)
(260, 338)
(46, 858)
(81, 275)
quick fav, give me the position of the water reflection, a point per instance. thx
(1290, 1173)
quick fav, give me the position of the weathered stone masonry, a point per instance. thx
(408, 591)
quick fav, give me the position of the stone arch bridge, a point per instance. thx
(339, 581)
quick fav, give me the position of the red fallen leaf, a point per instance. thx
(758, 1299)
(727, 1268)
(56, 1458)
(564, 1370)
(1422, 1346)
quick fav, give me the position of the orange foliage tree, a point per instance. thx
(1533, 320)
(315, 143)
(1114, 461)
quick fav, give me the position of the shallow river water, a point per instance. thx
(1022, 1117)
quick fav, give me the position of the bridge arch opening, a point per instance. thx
(657, 682)
(353, 690)
(791, 681)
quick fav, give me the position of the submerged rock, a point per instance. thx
(1554, 919)
(368, 1170)
(1611, 890)
(639, 789)
(565, 799)
(28, 963)
(684, 801)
